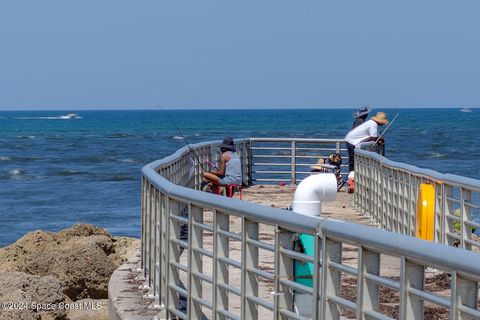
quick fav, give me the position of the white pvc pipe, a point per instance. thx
(312, 191)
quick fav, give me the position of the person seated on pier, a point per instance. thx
(367, 131)
(361, 116)
(230, 169)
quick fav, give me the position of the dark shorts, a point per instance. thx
(351, 156)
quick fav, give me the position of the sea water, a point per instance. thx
(55, 172)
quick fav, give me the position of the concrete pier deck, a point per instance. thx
(282, 197)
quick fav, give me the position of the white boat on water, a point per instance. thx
(69, 116)
(466, 110)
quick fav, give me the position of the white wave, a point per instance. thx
(438, 155)
(5, 158)
(127, 160)
(178, 138)
(16, 172)
(26, 137)
(197, 134)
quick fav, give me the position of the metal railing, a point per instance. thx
(236, 259)
(289, 160)
(387, 192)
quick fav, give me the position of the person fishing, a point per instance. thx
(361, 116)
(230, 169)
(367, 131)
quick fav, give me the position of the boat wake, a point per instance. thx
(67, 116)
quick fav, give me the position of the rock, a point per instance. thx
(83, 230)
(88, 309)
(34, 297)
(125, 246)
(82, 258)
(83, 268)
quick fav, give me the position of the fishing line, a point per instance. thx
(383, 133)
(183, 137)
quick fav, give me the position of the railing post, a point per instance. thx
(331, 278)
(249, 260)
(195, 264)
(151, 240)
(464, 293)
(293, 167)
(158, 248)
(465, 215)
(143, 214)
(249, 163)
(173, 256)
(411, 276)
(448, 210)
(283, 295)
(147, 233)
(220, 269)
(317, 281)
(439, 213)
(367, 292)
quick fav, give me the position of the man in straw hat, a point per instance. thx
(361, 116)
(367, 131)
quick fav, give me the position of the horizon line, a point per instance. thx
(219, 108)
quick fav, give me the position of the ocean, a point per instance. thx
(55, 172)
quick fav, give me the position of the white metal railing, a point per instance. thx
(387, 192)
(207, 256)
(289, 160)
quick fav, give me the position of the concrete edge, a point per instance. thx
(126, 298)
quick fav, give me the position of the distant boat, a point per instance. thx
(466, 110)
(69, 116)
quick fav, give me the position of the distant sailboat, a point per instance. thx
(466, 110)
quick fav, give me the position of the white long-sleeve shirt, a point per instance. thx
(362, 133)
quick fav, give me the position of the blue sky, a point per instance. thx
(245, 54)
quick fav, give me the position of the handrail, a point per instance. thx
(400, 245)
(177, 281)
(255, 212)
(378, 178)
(451, 178)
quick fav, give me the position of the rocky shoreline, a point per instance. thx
(61, 276)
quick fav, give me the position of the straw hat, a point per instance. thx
(322, 165)
(380, 118)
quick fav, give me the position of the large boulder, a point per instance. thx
(25, 297)
(81, 257)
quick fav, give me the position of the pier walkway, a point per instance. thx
(237, 259)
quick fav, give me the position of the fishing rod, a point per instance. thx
(383, 133)
(183, 137)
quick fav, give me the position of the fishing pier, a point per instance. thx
(205, 256)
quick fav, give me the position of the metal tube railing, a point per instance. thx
(215, 270)
(294, 156)
(387, 192)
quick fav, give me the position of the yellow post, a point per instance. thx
(426, 212)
